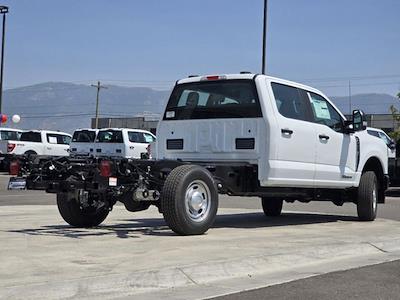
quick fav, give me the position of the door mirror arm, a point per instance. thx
(348, 127)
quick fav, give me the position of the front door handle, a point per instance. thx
(323, 137)
(287, 131)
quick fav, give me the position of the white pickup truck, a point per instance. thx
(83, 142)
(38, 142)
(123, 142)
(240, 135)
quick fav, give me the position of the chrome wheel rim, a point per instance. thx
(197, 200)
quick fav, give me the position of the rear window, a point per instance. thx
(214, 99)
(84, 136)
(10, 135)
(31, 137)
(140, 137)
(110, 136)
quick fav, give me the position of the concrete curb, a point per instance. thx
(120, 285)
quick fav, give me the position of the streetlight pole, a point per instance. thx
(3, 11)
(264, 49)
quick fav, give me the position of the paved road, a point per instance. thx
(373, 282)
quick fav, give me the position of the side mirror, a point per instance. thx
(359, 122)
(392, 145)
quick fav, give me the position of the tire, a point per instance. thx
(367, 197)
(189, 200)
(71, 212)
(272, 207)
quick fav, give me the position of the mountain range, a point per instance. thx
(67, 106)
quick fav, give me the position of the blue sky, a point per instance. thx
(153, 43)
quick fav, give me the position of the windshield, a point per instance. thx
(31, 137)
(10, 135)
(213, 99)
(84, 136)
(110, 136)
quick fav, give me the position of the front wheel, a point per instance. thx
(189, 200)
(367, 197)
(72, 211)
(272, 207)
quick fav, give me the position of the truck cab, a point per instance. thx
(292, 133)
(123, 142)
(83, 142)
(39, 142)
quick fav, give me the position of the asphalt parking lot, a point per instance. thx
(135, 254)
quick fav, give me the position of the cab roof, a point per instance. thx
(251, 76)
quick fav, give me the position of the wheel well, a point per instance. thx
(373, 164)
(30, 152)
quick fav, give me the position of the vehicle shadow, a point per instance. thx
(134, 228)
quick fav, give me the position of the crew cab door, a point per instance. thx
(295, 163)
(57, 144)
(336, 151)
(138, 143)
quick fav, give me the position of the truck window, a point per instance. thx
(60, 139)
(214, 99)
(290, 102)
(148, 138)
(7, 135)
(136, 137)
(140, 137)
(324, 113)
(110, 136)
(31, 137)
(84, 136)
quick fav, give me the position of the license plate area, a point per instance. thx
(17, 183)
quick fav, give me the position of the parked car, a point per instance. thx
(38, 142)
(240, 135)
(83, 142)
(123, 142)
(390, 143)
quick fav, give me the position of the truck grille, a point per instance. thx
(175, 144)
(245, 143)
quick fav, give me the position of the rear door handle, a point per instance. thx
(287, 131)
(323, 137)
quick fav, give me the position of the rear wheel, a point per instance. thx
(189, 200)
(272, 207)
(78, 215)
(367, 197)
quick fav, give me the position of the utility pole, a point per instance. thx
(3, 11)
(98, 86)
(264, 49)
(350, 112)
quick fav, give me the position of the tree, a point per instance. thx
(396, 119)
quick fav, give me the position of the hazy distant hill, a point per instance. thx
(40, 104)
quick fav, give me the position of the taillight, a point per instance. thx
(105, 168)
(14, 167)
(11, 147)
(213, 77)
